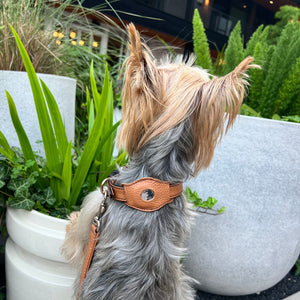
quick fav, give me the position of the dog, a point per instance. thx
(173, 116)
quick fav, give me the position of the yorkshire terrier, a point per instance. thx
(173, 116)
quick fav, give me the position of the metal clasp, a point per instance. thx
(102, 208)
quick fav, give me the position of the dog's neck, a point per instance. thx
(166, 157)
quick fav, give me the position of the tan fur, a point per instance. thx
(158, 97)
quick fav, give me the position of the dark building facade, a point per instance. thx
(173, 18)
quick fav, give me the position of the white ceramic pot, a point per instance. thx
(35, 269)
(255, 174)
(17, 84)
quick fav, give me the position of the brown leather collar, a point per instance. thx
(145, 194)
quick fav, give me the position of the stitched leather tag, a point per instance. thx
(157, 190)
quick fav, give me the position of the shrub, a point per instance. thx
(234, 52)
(201, 47)
(283, 58)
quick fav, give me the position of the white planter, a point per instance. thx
(17, 84)
(35, 269)
(255, 174)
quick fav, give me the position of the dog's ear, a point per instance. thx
(140, 99)
(218, 103)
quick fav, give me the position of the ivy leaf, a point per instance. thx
(18, 185)
(38, 206)
(48, 196)
(3, 171)
(22, 201)
(221, 210)
(2, 184)
(29, 163)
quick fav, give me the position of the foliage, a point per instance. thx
(297, 272)
(274, 89)
(234, 51)
(284, 56)
(288, 97)
(257, 76)
(248, 111)
(254, 39)
(25, 188)
(67, 178)
(36, 21)
(201, 47)
(199, 204)
(285, 15)
(77, 60)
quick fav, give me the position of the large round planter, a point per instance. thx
(17, 84)
(255, 174)
(35, 269)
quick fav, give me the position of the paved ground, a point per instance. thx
(290, 285)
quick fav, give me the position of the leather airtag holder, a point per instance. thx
(145, 194)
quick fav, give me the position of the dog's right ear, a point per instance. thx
(140, 93)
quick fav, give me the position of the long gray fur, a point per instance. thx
(138, 253)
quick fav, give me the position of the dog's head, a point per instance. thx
(159, 96)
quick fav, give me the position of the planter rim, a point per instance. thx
(252, 118)
(40, 74)
(26, 226)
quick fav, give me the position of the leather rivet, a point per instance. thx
(147, 195)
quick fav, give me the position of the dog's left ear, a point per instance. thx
(140, 93)
(218, 103)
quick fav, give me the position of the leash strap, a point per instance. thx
(94, 234)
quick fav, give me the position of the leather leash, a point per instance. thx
(145, 194)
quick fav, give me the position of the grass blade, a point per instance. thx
(87, 158)
(48, 137)
(5, 149)
(22, 136)
(95, 92)
(67, 173)
(49, 142)
(59, 128)
(91, 116)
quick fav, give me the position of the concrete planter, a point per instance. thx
(17, 84)
(255, 174)
(34, 266)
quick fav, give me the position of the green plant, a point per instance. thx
(199, 204)
(36, 21)
(283, 58)
(234, 51)
(285, 15)
(288, 97)
(201, 47)
(68, 178)
(297, 272)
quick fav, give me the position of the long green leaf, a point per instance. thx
(91, 116)
(95, 92)
(59, 128)
(48, 137)
(119, 161)
(49, 142)
(5, 149)
(22, 136)
(86, 158)
(108, 146)
(103, 108)
(67, 173)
